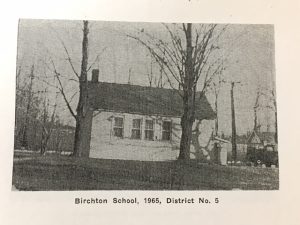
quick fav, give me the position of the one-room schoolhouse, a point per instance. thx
(138, 123)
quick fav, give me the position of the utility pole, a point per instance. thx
(233, 135)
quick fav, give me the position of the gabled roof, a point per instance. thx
(128, 98)
(266, 136)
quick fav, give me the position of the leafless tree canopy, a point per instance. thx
(171, 54)
(185, 58)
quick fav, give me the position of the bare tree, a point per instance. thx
(80, 115)
(24, 142)
(153, 79)
(18, 74)
(186, 58)
(216, 87)
(47, 122)
(271, 95)
(256, 108)
(83, 94)
(31, 113)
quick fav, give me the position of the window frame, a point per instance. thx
(149, 130)
(137, 129)
(118, 127)
(164, 131)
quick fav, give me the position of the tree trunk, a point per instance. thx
(216, 120)
(188, 116)
(24, 141)
(44, 144)
(78, 137)
(44, 140)
(82, 106)
(186, 125)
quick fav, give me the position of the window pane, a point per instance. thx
(166, 133)
(149, 134)
(118, 132)
(136, 123)
(136, 134)
(166, 136)
(118, 122)
(149, 125)
(167, 125)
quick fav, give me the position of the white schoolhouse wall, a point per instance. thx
(104, 143)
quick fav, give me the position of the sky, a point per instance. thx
(247, 52)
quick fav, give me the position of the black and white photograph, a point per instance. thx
(106, 105)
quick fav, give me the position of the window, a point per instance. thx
(136, 129)
(119, 127)
(166, 130)
(149, 130)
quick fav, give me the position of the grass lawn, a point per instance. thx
(39, 173)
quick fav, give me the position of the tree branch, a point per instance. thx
(61, 89)
(97, 57)
(68, 57)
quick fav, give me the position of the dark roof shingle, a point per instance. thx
(143, 100)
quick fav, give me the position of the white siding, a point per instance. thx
(105, 145)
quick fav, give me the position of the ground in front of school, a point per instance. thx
(32, 172)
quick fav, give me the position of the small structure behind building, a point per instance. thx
(262, 148)
(221, 150)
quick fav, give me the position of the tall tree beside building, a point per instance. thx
(185, 59)
(83, 95)
(81, 113)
